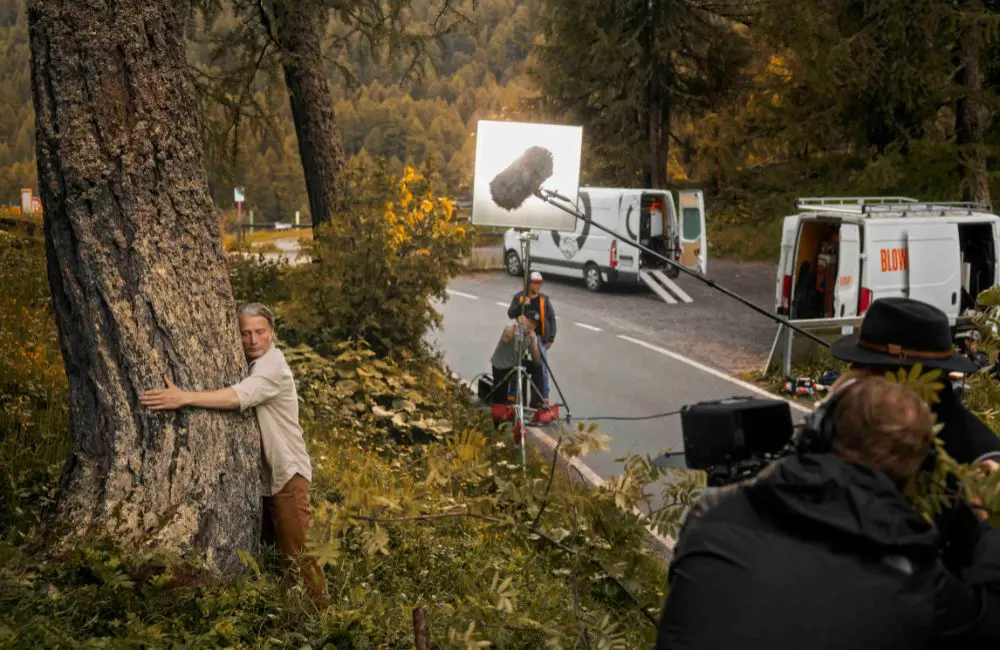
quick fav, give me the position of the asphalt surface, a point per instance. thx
(624, 353)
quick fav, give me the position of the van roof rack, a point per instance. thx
(820, 202)
(889, 205)
(943, 207)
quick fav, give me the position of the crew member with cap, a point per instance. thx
(542, 305)
(969, 343)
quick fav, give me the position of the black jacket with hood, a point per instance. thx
(824, 554)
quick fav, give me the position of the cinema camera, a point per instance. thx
(733, 439)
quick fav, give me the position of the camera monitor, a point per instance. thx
(514, 159)
(733, 430)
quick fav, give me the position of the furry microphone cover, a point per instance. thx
(512, 187)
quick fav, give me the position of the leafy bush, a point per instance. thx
(34, 433)
(378, 266)
(526, 559)
(258, 279)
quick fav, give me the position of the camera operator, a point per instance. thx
(822, 550)
(517, 339)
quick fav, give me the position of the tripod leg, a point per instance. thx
(552, 377)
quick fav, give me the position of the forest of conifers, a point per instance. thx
(760, 100)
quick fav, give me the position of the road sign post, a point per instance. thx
(238, 199)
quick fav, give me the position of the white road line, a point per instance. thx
(712, 371)
(588, 327)
(452, 292)
(502, 304)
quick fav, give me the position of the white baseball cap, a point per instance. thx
(536, 276)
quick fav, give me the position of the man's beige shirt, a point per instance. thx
(270, 389)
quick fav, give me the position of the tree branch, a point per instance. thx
(548, 487)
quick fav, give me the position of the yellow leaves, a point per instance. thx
(779, 68)
(376, 541)
(448, 207)
(504, 593)
(925, 384)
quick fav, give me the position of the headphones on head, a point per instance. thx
(819, 428)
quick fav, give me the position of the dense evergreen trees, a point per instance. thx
(707, 91)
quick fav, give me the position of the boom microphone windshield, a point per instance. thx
(522, 178)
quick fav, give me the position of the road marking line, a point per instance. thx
(502, 304)
(452, 292)
(588, 327)
(712, 371)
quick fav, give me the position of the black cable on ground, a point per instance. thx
(625, 418)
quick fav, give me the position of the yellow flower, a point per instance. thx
(426, 206)
(449, 208)
(423, 251)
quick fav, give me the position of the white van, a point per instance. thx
(638, 215)
(838, 255)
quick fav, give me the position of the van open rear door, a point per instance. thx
(694, 239)
(846, 294)
(932, 262)
(786, 265)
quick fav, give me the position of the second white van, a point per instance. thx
(838, 255)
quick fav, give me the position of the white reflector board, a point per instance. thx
(498, 144)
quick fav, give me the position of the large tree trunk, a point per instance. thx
(968, 120)
(139, 282)
(299, 24)
(657, 131)
(659, 144)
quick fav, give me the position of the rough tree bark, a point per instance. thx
(139, 282)
(297, 28)
(968, 120)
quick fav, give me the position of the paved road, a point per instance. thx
(622, 354)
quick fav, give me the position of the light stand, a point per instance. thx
(525, 237)
(558, 200)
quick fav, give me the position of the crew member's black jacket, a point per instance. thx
(543, 305)
(966, 438)
(823, 554)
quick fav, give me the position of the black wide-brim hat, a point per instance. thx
(903, 332)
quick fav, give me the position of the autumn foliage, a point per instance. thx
(379, 265)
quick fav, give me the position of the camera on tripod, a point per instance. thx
(733, 439)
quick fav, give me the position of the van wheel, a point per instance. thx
(592, 277)
(672, 271)
(512, 262)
